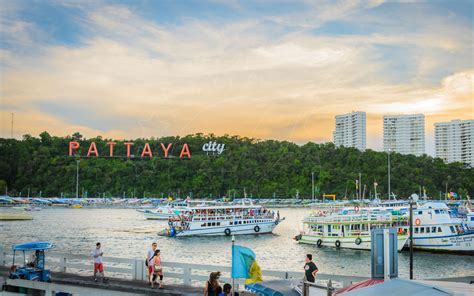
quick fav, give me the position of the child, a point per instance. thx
(157, 270)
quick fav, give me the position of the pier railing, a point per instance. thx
(135, 269)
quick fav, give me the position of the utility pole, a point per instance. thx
(389, 189)
(12, 126)
(77, 178)
(312, 186)
(360, 186)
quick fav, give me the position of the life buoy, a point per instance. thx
(338, 244)
(227, 231)
(276, 222)
(358, 241)
(417, 221)
(256, 228)
(319, 242)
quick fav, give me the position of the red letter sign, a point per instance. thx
(111, 148)
(166, 150)
(128, 145)
(147, 150)
(92, 149)
(73, 145)
(185, 151)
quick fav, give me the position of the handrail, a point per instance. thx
(187, 273)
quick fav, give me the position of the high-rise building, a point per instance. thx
(454, 141)
(350, 130)
(404, 134)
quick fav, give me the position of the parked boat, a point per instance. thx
(223, 220)
(346, 230)
(434, 229)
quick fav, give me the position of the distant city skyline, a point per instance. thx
(269, 70)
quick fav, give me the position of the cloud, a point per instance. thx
(131, 76)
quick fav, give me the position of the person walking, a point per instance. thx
(97, 254)
(310, 269)
(149, 256)
(213, 287)
(157, 270)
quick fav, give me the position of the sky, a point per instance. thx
(264, 69)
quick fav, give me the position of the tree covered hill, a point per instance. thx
(263, 168)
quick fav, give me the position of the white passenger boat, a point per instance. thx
(172, 209)
(350, 230)
(223, 220)
(434, 229)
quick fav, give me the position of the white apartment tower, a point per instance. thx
(350, 130)
(454, 141)
(404, 134)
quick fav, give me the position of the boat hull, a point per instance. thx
(463, 243)
(347, 242)
(227, 230)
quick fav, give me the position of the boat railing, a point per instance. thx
(349, 218)
(199, 217)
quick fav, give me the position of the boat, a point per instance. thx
(10, 214)
(223, 220)
(435, 230)
(173, 209)
(347, 230)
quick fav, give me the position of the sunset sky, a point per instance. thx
(265, 69)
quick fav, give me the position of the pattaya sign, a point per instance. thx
(146, 151)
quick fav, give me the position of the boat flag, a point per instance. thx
(244, 265)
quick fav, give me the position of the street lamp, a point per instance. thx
(413, 200)
(77, 178)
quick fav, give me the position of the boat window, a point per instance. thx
(208, 223)
(422, 230)
(436, 211)
(452, 229)
(218, 223)
(472, 218)
(420, 212)
(231, 223)
(428, 230)
(416, 229)
(433, 229)
(213, 223)
(240, 222)
(439, 229)
(203, 224)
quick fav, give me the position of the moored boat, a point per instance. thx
(349, 230)
(223, 220)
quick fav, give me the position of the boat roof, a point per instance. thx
(33, 246)
(225, 207)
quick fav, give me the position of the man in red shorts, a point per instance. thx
(98, 263)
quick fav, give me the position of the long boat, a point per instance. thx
(223, 220)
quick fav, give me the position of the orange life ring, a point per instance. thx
(417, 221)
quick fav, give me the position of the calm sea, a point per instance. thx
(125, 233)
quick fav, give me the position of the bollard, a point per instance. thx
(330, 288)
(187, 276)
(63, 264)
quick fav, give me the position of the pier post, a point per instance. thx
(137, 270)
(3, 260)
(63, 263)
(187, 275)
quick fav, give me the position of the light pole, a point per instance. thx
(389, 190)
(413, 200)
(77, 178)
(312, 186)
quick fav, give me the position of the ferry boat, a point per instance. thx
(435, 230)
(347, 230)
(222, 220)
(173, 209)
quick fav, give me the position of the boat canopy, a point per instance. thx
(33, 246)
